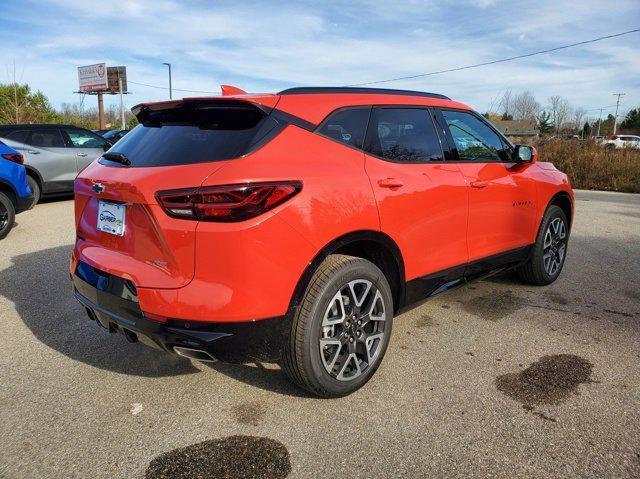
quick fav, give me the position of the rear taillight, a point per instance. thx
(226, 203)
(15, 157)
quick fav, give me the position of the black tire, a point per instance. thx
(534, 271)
(35, 189)
(305, 360)
(7, 215)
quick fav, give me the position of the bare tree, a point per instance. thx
(506, 104)
(560, 111)
(525, 106)
(578, 117)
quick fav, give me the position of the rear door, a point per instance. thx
(46, 151)
(502, 196)
(422, 200)
(87, 146)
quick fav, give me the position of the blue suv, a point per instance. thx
(15, 194)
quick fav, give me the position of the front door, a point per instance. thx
(501, 196)
(87, 146)
(422, 200)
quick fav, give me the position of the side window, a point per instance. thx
(18, 135)
(403, 135)
(49, 138)
(84, 139)
(346, 126)
(473, 138)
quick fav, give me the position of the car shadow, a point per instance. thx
(38, 284)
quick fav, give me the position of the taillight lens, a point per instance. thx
(226, 203)
(15, 157)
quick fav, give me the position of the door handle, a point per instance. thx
(82, 154)
(390, 183)
(479, 184)
(33, 152)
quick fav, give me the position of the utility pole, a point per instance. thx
(615, 118)
(599, 121)
(170, 91)
(122, 126)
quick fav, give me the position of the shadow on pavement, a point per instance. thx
(38, 284)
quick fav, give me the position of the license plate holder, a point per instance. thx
(111, 217)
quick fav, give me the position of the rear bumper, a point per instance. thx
(23, 203)
(112, 302)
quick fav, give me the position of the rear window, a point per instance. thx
(192, 134)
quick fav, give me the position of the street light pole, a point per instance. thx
(615, 118)
(170, 91)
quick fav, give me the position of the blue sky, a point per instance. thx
(267, 46)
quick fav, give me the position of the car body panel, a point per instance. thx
(13, 179)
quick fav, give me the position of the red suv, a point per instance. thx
(291, 227)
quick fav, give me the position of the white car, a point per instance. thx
(622, 141)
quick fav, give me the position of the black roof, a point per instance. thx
(39, 126)
(369, 91)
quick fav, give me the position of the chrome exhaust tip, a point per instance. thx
(197, 354)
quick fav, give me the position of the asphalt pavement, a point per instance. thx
(496, 379)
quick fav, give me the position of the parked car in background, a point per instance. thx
(115, 135)
(292, 227)
(15, 194)
(622, 141)
(53, 154)
(100, 132)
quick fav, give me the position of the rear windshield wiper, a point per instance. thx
(117, 157)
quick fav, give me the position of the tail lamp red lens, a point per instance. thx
(15, 157)
(228, 203)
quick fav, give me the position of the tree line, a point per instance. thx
(19, 104)
(559, 117)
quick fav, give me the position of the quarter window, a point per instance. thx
(346, 126)
(403, 135)
(474, 140)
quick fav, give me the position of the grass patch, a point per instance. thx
(594, 167)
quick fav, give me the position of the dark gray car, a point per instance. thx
(53, 154)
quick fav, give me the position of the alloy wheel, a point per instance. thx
(353, 329)
(4, 217)
(554, 246)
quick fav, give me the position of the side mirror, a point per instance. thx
(525, 154)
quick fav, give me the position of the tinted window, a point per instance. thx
(84, 139)
(192, 135)
(346, 126)
(473, 138)
(17, 135)
(403, 135)
(49, 138)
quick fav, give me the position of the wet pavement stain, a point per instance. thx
(250, 413)
(494, 306)
(556, 298)
(245, 457)
(550, 380)
(425, 321)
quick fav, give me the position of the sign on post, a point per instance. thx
(114, 74)
(92, 78)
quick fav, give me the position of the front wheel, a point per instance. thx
(342, 328)
(549, 251)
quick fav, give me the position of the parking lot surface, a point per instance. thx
(495, 379)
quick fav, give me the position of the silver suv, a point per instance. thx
(53, 154)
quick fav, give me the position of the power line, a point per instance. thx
(540, 52)
(165, 88)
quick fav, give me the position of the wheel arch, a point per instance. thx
(563, 201)
(6, 187)
(371, 245)
(31, 171)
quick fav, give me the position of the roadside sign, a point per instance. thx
(93, 78)
(113, 75)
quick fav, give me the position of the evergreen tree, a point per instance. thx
(544, 123)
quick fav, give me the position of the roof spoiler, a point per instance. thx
(228, 90)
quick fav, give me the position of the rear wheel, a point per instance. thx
(35, 189)
(550, 250)
(342, 328)
(7, 215)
